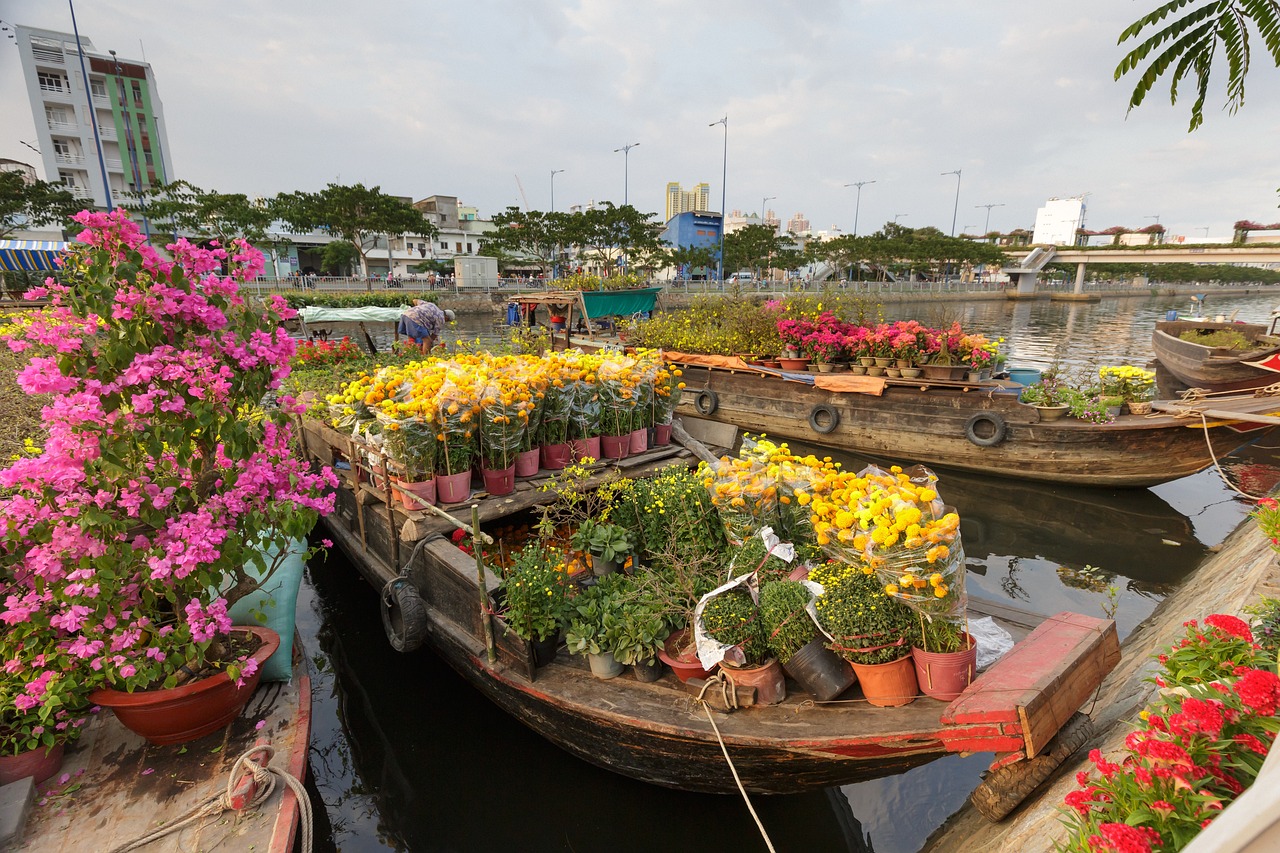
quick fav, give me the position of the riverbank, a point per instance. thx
(1243, 569)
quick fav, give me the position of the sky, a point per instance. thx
(479, 99)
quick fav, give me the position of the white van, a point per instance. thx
(741, 277)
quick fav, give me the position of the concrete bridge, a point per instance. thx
(1029, 266)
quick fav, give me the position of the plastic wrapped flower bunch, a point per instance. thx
(1133, 384)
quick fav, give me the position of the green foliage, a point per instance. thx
(600, 235)
(751, 557)
(1050, 391)
(869, 626)
(1188, 43)
(898, 249)
(594, 624)
(1224, 338)
(358, 214)
(672, 515)
(207, 214)
(756, 247)
(1266, 625)
(640, 628)
(1207, 653)
(24, 205)
(787, 626)
(376, 299)
(733, 619)
(339, 256)
(536, 592)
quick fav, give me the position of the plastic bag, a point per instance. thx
(993, 641)
(710, 650)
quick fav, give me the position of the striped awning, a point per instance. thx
(29, 254)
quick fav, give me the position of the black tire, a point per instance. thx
(706, 402)
(404, 615)
(1003, 790)
(824, 418)
(985, 429)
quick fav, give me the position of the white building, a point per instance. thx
(120, 94)
(27, 171)
(1058, 220)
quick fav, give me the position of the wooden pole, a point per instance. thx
(482, 586)
(435, 510)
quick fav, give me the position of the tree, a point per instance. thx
(691, 258)
(605, 233)
(1189, 42)
(534, 235)
(182, 207)
(356, 213)
(751, 247)
(24, 205)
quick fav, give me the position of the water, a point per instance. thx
(407, 756)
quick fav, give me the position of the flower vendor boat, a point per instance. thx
(114, 787)
(658, 732)
(971, 426)
(1216, 368)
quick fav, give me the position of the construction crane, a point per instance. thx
(522, 195)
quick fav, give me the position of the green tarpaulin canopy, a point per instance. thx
(606, 303)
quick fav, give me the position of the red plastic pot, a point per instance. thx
(615, 446)
(584, 448)
(945, 675)
(425, 489)
(36, 763)
(527, 463)
(500, 481)
(661, 435)
(180, 714)
(639, 440)
(555, 456)
(453, 488)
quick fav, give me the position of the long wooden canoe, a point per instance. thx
(119, 788)
(1213, 368)
(979, 427)
(657, 732)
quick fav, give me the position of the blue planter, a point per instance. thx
(1024, 375)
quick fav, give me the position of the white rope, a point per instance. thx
(264, 777)
(1204, 422)
(707, 709)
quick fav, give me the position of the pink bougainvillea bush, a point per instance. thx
(124, 541)
(1196, 749)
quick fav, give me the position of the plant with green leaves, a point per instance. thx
(868, 626)
(640, 629)
(593, 618)
(536, 593)
(787, 626)
(733, 619)
(610, 542)
(1266, 624)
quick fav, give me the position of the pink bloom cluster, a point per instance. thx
(828, 338)
(153, 488)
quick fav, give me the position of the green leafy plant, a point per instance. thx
(1266, 624)
(1220, 338)
(536, 593)
(868, 626)
(593, 619)
(1049, 391)
(787, 626)
(610, 542)
(732, 618)
(640, 629)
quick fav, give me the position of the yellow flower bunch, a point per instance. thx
(1131, 383)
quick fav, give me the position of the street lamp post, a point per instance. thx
(93, 114)
(857, 205)
(987, 227)
(626, 178)
(132, 148)
(955, 210)
(724, 176)
(1156, 217)
(554, 172)
(898, 216)
(763, 202)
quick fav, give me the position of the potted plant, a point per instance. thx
(593, 624)
(150, 411)
(793, 639)
(44, 702)
(732, 619)
(608, 544)
(535, 595)
(640, 632)
(1050, 397)
(870, 630)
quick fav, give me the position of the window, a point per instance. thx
(444, 245)
(137, 95)
(459, 247)
(51, 82)
(62, 147)
(468, 248)
(98, 88)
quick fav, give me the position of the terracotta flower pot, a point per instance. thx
(615, 446)
(682, 659)
(453, 488)
(555, 456)
(639, 442)
(500, 481)
(37, 763)
(888, 685)
(527, 463)
(793, 363)
(190, 711)
(767, 678)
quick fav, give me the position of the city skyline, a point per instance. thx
(466, 100)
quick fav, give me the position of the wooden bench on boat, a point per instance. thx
(660, 734)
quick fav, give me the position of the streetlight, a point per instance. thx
(93, 114)
(764, 201)
(965, 230)
(955, 209)
(857, 204)
(554, 172)
(724, 176)
(898, 216)
(986, 228)
(626, 179)
(1156, 218)
(1205, 229)
(132, 148)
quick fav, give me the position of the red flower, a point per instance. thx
(1231, 625)
(1162, 808)
(1198, 716)
(1260, 691)
(1122, 838)
(1252, 743)
(1081, 801)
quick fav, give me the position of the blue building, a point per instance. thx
(696, 229)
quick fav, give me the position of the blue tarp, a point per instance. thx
(29, 254)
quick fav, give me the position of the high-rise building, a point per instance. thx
(1058, 220)
(682, 201)
(797, 224)
(120, 94)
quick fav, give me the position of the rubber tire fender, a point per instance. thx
(824, 418)
(998, 429)
(404, 615)
(1003, 790)
(706, 402)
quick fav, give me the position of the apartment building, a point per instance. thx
(683, 201)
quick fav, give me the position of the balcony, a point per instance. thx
(107, 131)
(78, 191)
(113, 165)
(51, 95)
(63, 126)
(69, 159)
(101, 101)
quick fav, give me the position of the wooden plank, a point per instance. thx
(1064, 692)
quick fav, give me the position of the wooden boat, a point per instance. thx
(1215, 368)
(658, 732)
(119, 787)
(970, 426)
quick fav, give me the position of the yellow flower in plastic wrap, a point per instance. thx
(891, 589)
(935, 579)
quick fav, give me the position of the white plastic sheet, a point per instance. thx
(993, 641)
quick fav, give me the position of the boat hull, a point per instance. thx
(918, 422)
(1211, 368)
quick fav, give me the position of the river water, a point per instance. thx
(406, 756)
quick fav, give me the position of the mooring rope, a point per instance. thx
(264, 777)
(730, 693)
(1198, 395)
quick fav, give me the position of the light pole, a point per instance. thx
(858, 203)
(93, 114)
(763, 202)
(1156, 217)
(965, 230)
(1205, 229)
(898, 216)
(955, 209)
(987, 227)
(626, 178)
(724, 176)
(554, 172)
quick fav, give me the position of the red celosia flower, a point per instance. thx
(1252, 743)
(1232, 625)
(1081, 801)
(1162, 808)
(1122, 838)
(1198, 716)
(1260, 691)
